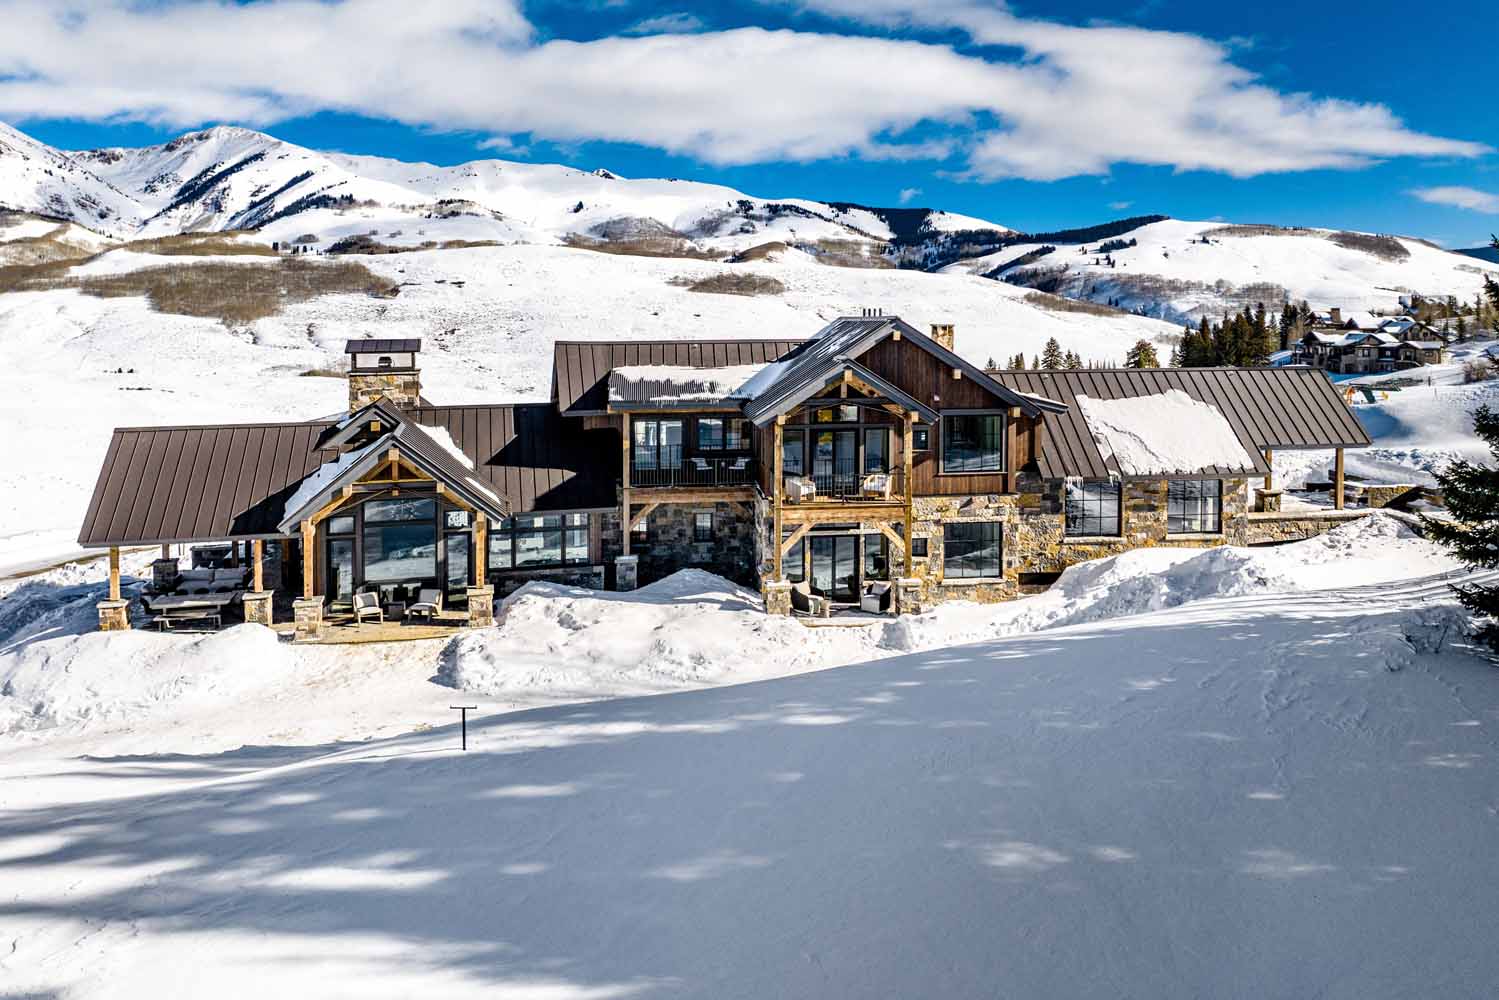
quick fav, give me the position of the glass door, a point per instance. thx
(835, 567)
(457, 544)
(834, 462)
(341, 569)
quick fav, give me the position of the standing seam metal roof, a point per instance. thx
(1268, 408)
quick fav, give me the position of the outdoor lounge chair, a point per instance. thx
(804, 602)
(800, 488)
(367, 605)
(876, 598)
(877, 485)
(428, 604)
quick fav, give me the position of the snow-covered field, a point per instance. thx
(1235, 773)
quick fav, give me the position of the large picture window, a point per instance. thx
(722, 434)
(1194, 506)
(400, 540)
(1092, 508)
(534, 541)
(973, 442)
(970, 550)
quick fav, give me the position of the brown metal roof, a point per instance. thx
(533, 457)
(386, 346)
(187, 484)
(1268, 408)
(580, 368)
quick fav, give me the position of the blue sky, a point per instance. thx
(1035, 116)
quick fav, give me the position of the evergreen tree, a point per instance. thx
(1471, 491)
(1035, 362)
(1176, 355)
(1142, 355)
(990, 363)
(1072, 361)
(1051, 356)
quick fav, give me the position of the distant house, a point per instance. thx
(1390, 345)
(868, 466)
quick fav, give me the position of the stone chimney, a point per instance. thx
(384, 368)
(1336, 315)
(943, 334)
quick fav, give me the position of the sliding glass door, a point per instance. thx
(835, 566)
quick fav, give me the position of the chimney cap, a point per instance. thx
(402, 346)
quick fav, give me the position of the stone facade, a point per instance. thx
(164, 573)
(1268, 501)
(1270, 529)
(402, 388)
(1390, 495)
(480, 607)
(307, 613)
(778, 597)
(506, 582)
(114, 616)
(671, 542)
(258, 607)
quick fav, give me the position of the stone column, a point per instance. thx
(308, 615)
(480, 607)
(258, 607)
(114, 616)
(626, 572)
(164, 573)
(778, 597)
(1268, 500)
(907, 596)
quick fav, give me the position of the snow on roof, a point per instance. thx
(1361, 320)
(325, 474)
(1426, 345)
(1163, 434)
(679, 383)
(445, 441)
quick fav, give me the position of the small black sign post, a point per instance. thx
(465, 709)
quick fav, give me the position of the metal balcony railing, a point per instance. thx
(844, 482)
(668, 466)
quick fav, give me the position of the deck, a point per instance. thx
(340, 630)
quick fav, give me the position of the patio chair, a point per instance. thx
(804, 602)
(800, 488)
(367, 605)
(876, 484)
(876, 598)
(428, 604)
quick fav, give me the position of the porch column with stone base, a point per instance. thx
(778, 597)
(907, 596)
(307, 612)
(480, 607)
(626, 572)
(257, 606)
(114, 616)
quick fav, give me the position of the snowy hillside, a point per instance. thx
(1113, 773)
(1184, 270)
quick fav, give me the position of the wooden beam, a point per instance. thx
(889, 533)
(624, 492)
(840, 513)
(895, 335)
(907, 486)
(1337, 479)
(481, 548)
(681, 494)
(1270, 464)
(114, 572)
(645, 512)
(338, 500)
(775, 485)
(453, 498)
(1011, 451)
(309, 544)
(796, 536)
(257, 572)
(166, 550)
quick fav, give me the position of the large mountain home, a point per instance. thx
(1394, 346)
(868, 467)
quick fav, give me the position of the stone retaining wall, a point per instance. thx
(1263, 529)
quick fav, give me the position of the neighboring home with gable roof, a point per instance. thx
(869, 465)
(1393, 347)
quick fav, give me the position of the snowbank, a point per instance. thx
(104, 676)
(1161, 434)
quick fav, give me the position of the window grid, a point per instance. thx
(702, 526)
(533, 541)
(970, 550)
(1194, 506)
(1092, 508)
(972, 442)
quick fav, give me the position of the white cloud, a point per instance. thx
(1119, 206)
(1460, 197)
(908, 195)
(1076, 101)
(680, 23)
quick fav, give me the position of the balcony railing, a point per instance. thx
(844, 482)
(667, 466)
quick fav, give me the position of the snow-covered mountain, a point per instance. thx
(234, 178)
(1182, 271)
